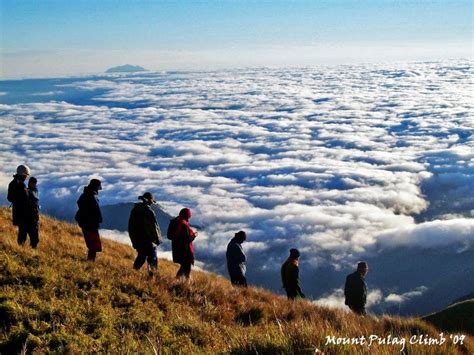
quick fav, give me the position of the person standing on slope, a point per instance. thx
(144, 233)
(32, 211)
(89, 217)
(355, 289)
(236, 259)
(18, 196)
(182, 237)
(290, 276)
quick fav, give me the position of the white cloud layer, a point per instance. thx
(396, 298)
(337, 161)
(375, 297)
(123, 237)
(435, 234)
(336, 299)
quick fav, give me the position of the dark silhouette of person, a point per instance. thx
(182, 243)
(290, 276)
(236, 259)
(89, 217)
(32, 212)
(144, 233)
(355, 289)
(18, 196)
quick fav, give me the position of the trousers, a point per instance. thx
(32, 230)
(146, 254)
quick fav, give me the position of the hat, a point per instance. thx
(23, 170)
(147, 197)
(294, 253)
(95, 184)
(185, 213)
(241, 236)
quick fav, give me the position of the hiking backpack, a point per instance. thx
(172, 227)
(12, 192)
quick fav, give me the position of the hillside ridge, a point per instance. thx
(52, 300)
(456, 317)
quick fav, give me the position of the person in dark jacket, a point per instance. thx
(32, 212)
(18, 196)
(290, 275)
(144, 233)
(236, 259)
(182, 244)
(355, 289)
(89, 217)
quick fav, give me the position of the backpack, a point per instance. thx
(12, 191)
(172, 227)
(79, 217)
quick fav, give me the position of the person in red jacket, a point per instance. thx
(182, 243)
(89, 217)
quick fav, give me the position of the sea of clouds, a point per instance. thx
(341, 162)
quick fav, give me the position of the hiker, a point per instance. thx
(89, 217)
(32, 211)
(355, 289)
(236, 259)
(144, 233)
(18, 196)
(182, 237)
(290, 275)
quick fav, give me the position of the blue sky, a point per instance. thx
(48, 37)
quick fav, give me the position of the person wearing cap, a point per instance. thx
(355, 289)
(89, 217)
(290, 276)
(18, 196)
(236, 259)
(182, 243)
(144, 233)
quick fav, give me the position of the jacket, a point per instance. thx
(235, 259)
(355, 290)
(33, 207)
(290, 278)
(142, 227)
(182, 244)
(18, 196)
(88, 216)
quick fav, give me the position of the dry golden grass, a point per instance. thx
(52, 300)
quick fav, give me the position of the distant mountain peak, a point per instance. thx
(127, 68)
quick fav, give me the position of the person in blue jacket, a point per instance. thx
(236, 259)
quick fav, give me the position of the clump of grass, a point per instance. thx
(10, 313)
(251, 316)
(53, 300)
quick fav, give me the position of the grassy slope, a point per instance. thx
(457, 317)
(51, 299)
